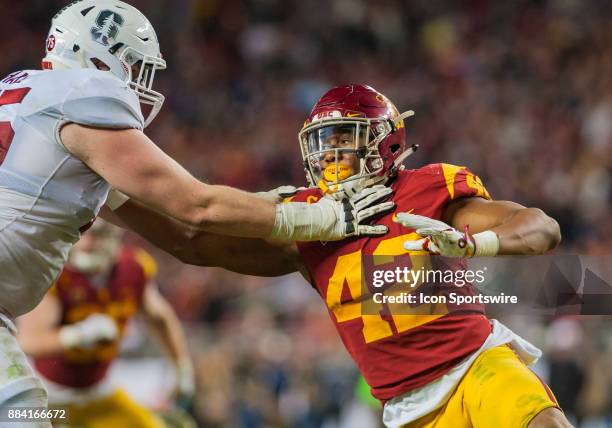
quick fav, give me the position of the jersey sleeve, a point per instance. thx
(460, 182)
(104, 101)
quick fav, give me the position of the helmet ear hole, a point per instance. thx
(394, 148)
(100, 65)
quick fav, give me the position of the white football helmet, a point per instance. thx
(108, 34)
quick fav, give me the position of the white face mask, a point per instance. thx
(91, 263)
(98, 260)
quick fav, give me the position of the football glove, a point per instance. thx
(87, 333)
(184, 390)
(331, 220)
(440, 238)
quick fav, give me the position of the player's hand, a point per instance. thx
(184, 390)
(366, 205)
(279, 194)
(351, 213)
(92, 330)
(438, 237)
(332, 220)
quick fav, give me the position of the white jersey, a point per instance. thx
(47, 195)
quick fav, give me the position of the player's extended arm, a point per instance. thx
(132, 163)
(242, 255)
(520, 230)
(40, 334)
(162, 320)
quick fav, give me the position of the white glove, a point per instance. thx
(93, 329)
(185, 379)
(279, 194)
(331, 220)
(440, 238)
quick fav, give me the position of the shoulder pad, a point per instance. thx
(456, 181)
(85, 96)
(103, 100)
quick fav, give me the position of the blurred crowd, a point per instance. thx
(521, 92)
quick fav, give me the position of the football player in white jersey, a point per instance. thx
(72, 131)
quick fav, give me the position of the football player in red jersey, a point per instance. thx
(450, 367)
(73, 335)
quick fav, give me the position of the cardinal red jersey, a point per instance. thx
(119, 297)
(399, 347)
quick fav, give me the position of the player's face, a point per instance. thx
(336, 147)
(97, 249)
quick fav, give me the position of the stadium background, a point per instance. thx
(519, 91)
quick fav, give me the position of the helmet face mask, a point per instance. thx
(140, 77)
(353, 138)
(342, 153)
(111, 33)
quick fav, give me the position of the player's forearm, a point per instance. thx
(528, 231)
(242, 255)
(217, 209)
(43, 345)
(228, 211)
(131, 163)
(232, 212)
(162, 231)
(167, 327)
(246, 256)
